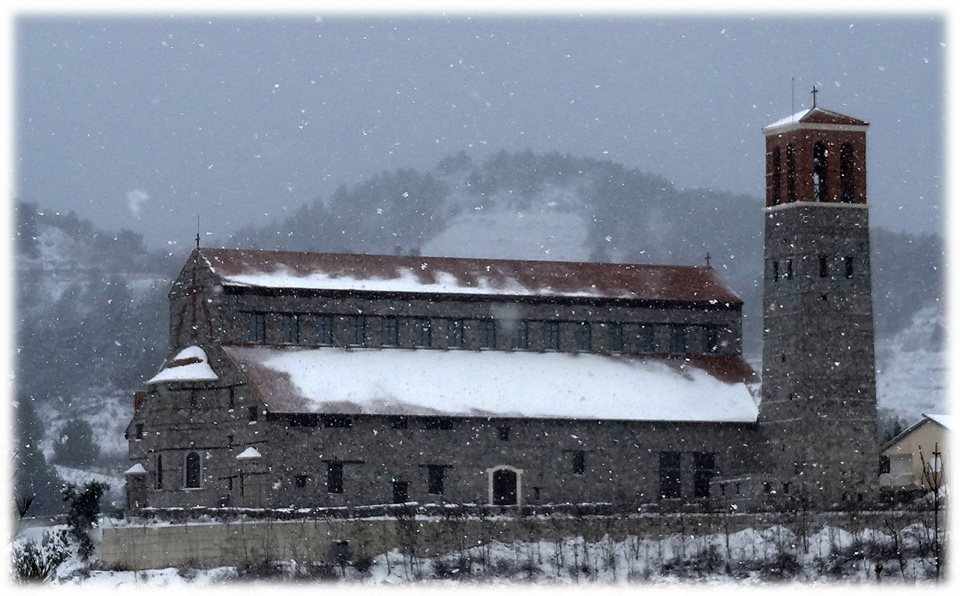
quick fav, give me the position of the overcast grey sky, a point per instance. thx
(143, 123)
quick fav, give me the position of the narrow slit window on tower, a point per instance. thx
(789, 274)
(776, 271)
(192, 471)
(848, 267)
(775, 177)
(159, 476)
(823, 263)
(820, 172)
(791, 173)
(848, 174)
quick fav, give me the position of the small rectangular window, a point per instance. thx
(789, 268)
(229, 440)
(423, 333)
(300, 481)
(139, 432)
(884, 464)
(290, 328)
(358, 330)
(159, 477)
(646, 339)
(253, 412)
(776, 270)
(551, 335)
(711, 339)
(391, 332)
(848, 267)
(399, 422)
(583, 336)
(435, 477)
(325, 330)
(503, 432)
(615, 337)
(824, 266)
(255, 327)
(488, 334)
(678, 339)
(670, 471)
(231, 398)
(578, 462)
(521, 337)
(455, 333)
(335, 477)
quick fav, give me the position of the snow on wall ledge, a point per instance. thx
(490, 383)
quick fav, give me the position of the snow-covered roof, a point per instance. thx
(941, 419)
(249, 453)
(135, 469)
(190, 364)
(502, 384)
(813, 116)
(443, 275)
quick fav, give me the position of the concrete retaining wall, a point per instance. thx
(249, 542)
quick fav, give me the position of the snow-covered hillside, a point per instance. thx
(912, 367)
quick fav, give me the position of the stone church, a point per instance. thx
(304, 380)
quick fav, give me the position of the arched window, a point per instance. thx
(820, 170)
(192, 472)
(848, 174)
(775, 178)
(791, 173)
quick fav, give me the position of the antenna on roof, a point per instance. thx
(707, 259)
(198, 231)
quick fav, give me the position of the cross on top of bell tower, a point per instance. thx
(814, 92)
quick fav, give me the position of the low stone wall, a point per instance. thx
(240, 542)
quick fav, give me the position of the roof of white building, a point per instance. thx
(501, 384)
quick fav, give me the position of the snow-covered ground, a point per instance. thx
(747, 557)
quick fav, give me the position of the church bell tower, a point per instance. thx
(818, 414)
